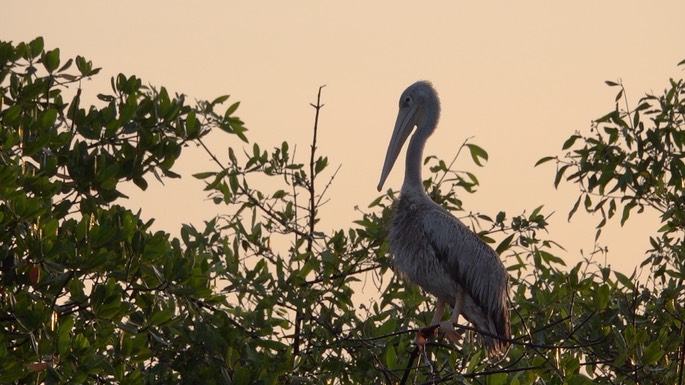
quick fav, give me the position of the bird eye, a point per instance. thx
(407, 100)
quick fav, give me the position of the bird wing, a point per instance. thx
(469, 260)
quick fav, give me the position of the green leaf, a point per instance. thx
(387, 327)
(390, 357)
(504, 245)
(535, 212)
(232, 157)
(653, 353)
(110, 308)
(82, 65)
(12, 114)
(204, 175)
(320, 164)
(66, 65)
(570, 141)
(626, 212)
(497, 379)
(51, 60)
(192, 126)
(48, 118)
(602, 296)
(612, 208)
(625, 281)
(64, 334)
(86, 67)
(12, 373)
(560, 174)
(233, 182)
(550, 258)
(574, 208)
(473, 178)
(35, 47)
(477, 153)
(160, 317)
(220, 99)
(140, 182)
(544, 160)
(230, 110)
(241, 376)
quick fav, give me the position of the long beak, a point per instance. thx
(404, 125)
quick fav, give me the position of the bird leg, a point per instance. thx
(425, 333)
(439, 311)
(448, 326)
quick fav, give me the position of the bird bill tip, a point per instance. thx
(381, 182)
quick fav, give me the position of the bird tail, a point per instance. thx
(498, 340)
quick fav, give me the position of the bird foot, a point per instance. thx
(424, 334)
(447, 327)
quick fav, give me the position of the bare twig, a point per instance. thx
(312, 172)
(341, 275)
(444, 174)
(251, 198)
(312, 214)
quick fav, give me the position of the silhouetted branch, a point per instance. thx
(252, 199)
(313, 172)
(526, 344)
(341, 275)
(510, 368)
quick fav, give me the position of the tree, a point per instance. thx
(89, 294)
(632, 160)
(260, 294)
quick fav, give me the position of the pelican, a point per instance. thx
(434, 249)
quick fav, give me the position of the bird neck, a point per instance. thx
(429, 116)
(412, 171)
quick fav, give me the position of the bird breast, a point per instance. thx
(414, 256)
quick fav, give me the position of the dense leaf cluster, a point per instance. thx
(88, 293)
(259, 293)
(633, 160)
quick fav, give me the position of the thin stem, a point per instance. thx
(312, 173)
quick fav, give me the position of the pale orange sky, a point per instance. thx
(519, 77)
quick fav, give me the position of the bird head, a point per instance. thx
(419, 107)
